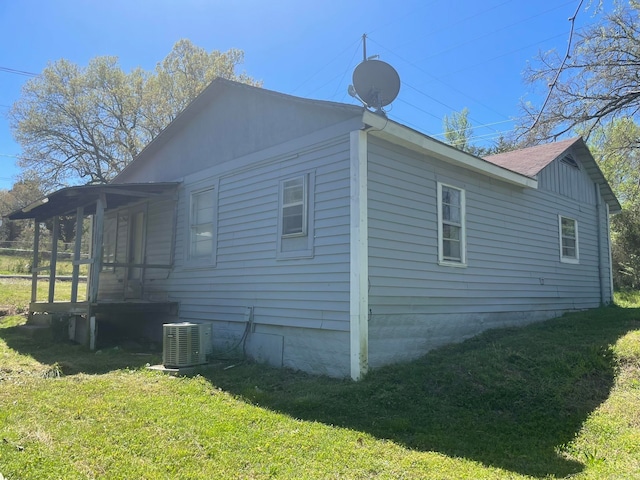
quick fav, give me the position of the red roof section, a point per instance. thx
(529, 161)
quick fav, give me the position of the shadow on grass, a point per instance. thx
(70, 358)
(509, 398)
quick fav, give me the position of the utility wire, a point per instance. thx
(430, 75)
(325, 66)
(355, 52)
(505, 27)
(502, 55)
(560, 68)
(18, 72)
(448, 26)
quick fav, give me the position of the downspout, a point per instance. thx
(359, 257)
(601, 268)
(609, 248)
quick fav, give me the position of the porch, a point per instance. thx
(93, 203)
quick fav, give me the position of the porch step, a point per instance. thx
(39, 319)
(35, 331)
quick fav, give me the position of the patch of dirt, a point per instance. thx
(8, 310)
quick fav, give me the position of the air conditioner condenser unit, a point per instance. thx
(185, 344)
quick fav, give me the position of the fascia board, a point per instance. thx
(395, 133)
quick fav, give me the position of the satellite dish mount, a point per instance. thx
(375, 83)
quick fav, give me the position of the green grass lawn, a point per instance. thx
(557, 399)
(21, 265)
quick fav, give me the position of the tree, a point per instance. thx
(458, 133)
(23, 193)
(83, 125)
(614, 146)
(598, 79)
(458, 130)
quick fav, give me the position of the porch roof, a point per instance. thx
(67, 200)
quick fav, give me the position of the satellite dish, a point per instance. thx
(376, 83)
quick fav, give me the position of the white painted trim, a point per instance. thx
(463, 228)
(306, 251)
(190, 191)
(406, 137)
(564, 259)
(608, 222)
(359, 257)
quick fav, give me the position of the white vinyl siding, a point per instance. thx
(568, 231)
(451, 225)
(513, 273)
(202, 225)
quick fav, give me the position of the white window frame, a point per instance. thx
(297, 244)
(565, 258)
(209, 258)
(442, 260)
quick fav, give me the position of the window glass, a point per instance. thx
(293, 206)
(568, 239)
(451, 229)
(202, 215)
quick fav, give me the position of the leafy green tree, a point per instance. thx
(83, 125)
(23, 193)
(614, 146)
(458, 132)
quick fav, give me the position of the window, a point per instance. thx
(568, 228)
(201, 224)
(294, 211)
(451, 226)
(295, 217)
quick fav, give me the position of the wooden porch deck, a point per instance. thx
(82, 318)
(107, 307)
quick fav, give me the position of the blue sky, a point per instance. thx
(449, 54)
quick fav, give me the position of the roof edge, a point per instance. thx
(412, 139)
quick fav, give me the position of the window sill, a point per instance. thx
(574, 261)
(445, 263)
(199, 263)
(295, 254)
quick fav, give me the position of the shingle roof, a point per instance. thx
(530, 161)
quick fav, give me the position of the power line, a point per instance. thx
(323, 67)
(345, 73)
(429, 74)
(18, 72)
(448, 26)
(484, 62)
(487, 34)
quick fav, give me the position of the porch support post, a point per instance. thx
(76, 254)
(34, 263)
(53, 263)
(359, 254)
(96, 251)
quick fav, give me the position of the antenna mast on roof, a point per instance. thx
(375, 83)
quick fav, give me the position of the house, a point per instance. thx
(331, 239)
